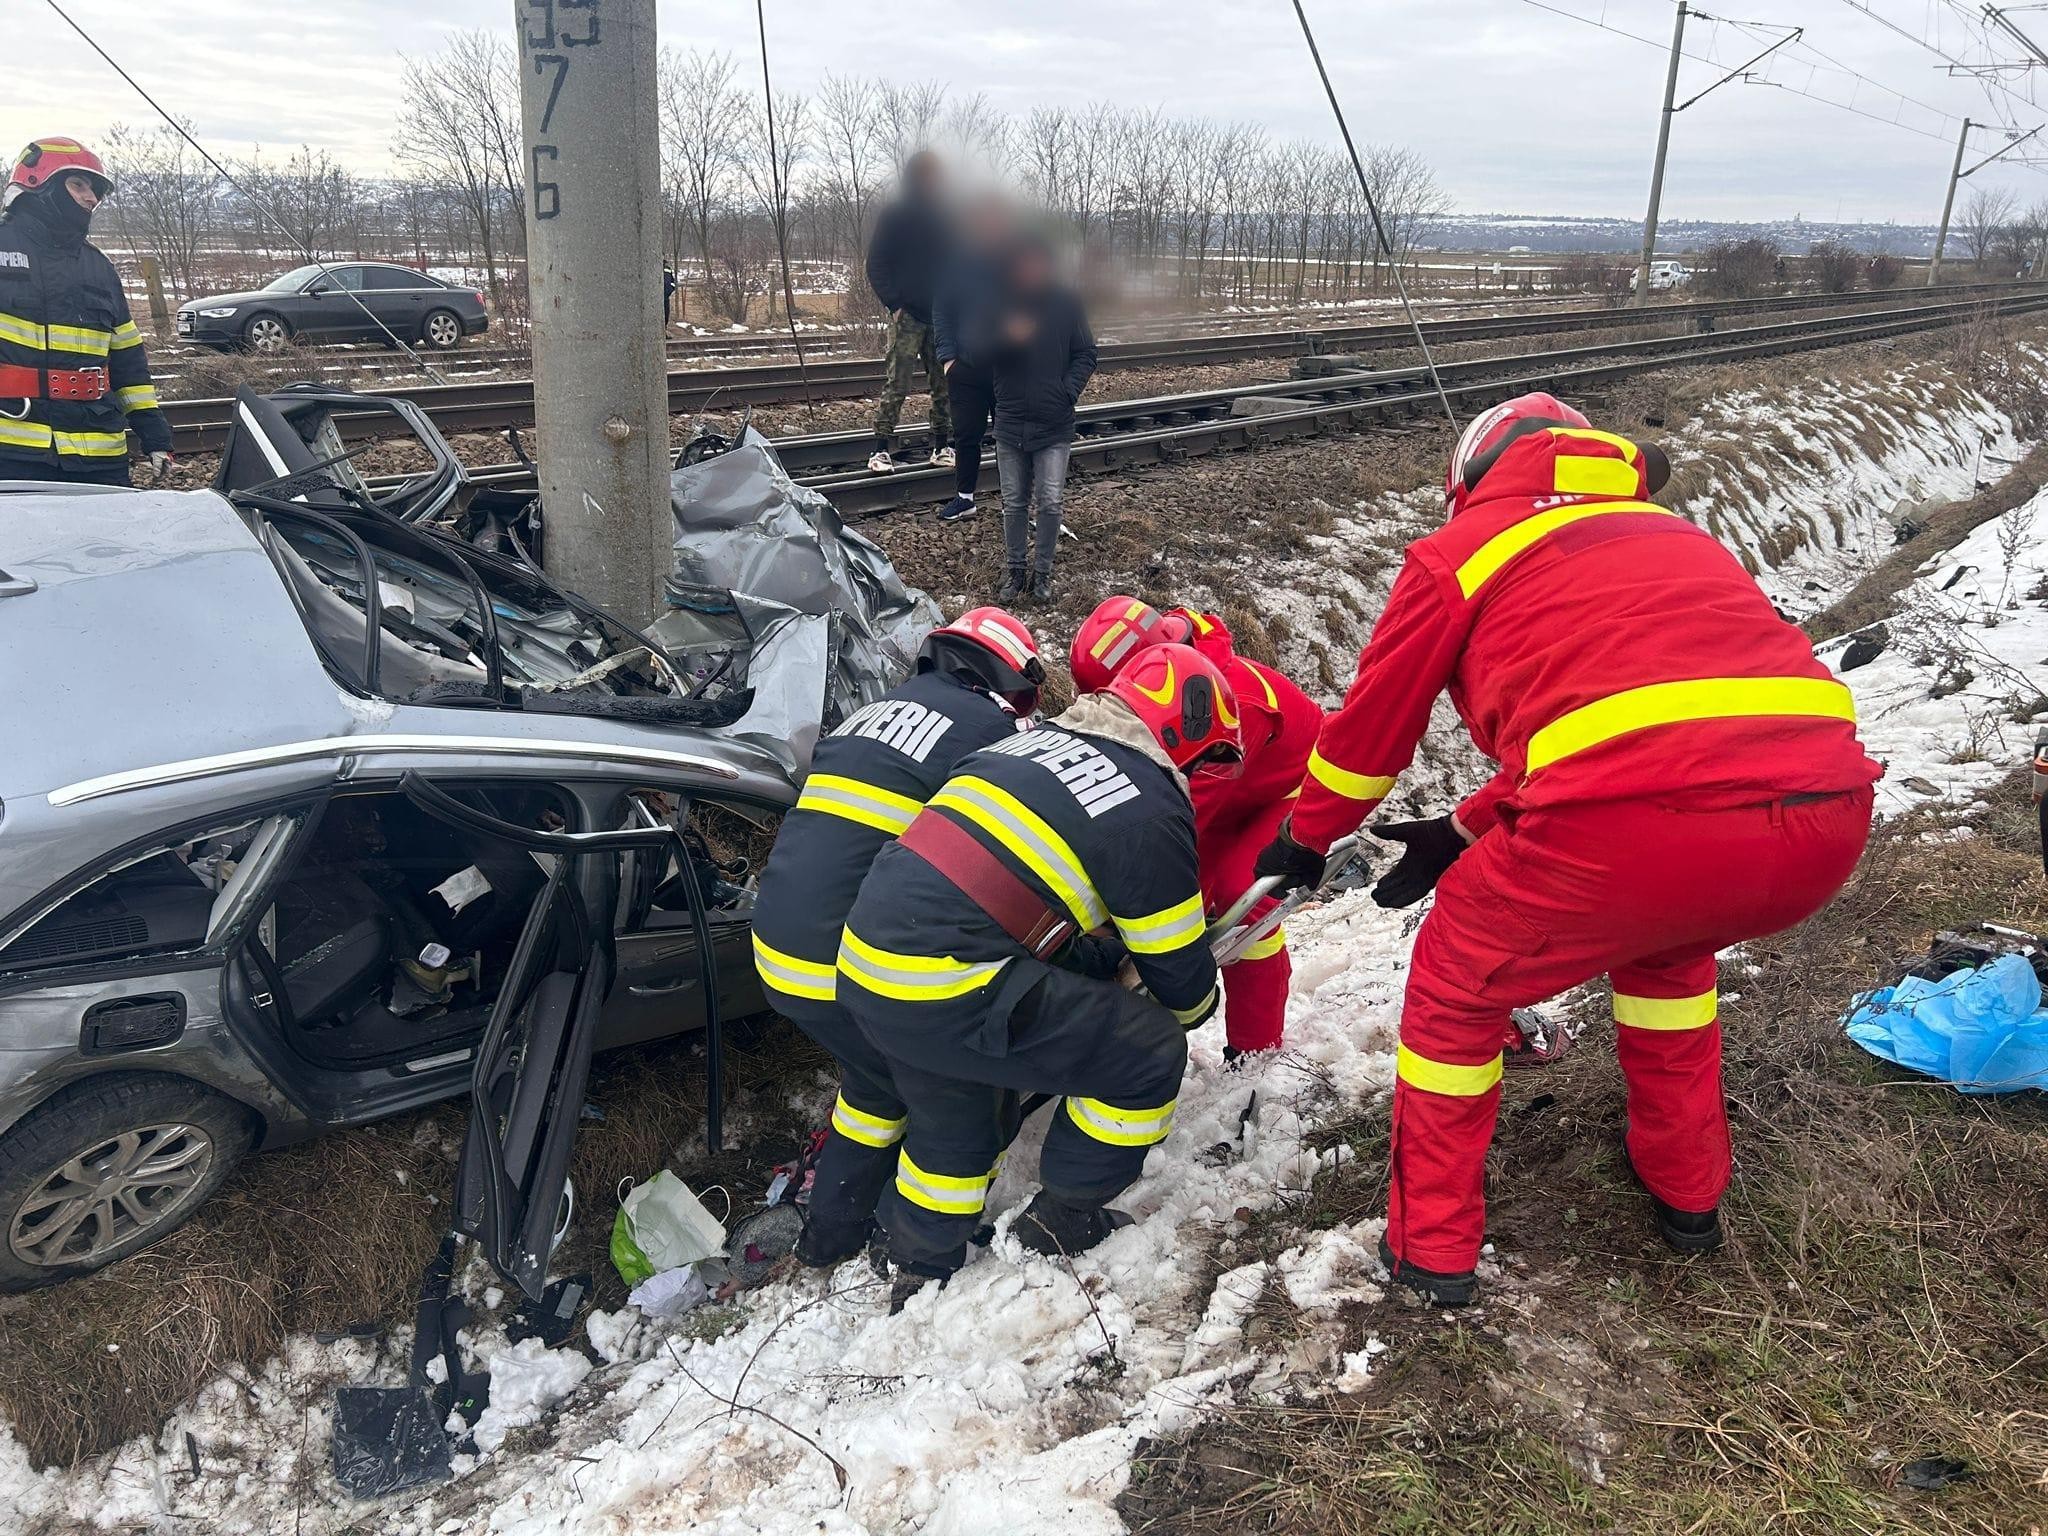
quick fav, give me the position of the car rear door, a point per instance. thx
(398, 297)
(526, 1092)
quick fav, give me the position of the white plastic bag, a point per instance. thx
(670, 1225)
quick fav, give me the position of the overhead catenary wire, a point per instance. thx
(253, 200)
(1379, 227)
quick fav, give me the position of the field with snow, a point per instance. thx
(1019, 1397)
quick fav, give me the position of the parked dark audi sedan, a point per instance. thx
(338, 301)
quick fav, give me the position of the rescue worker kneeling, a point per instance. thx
(969, 960)
(975, 680)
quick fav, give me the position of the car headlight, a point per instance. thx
(219, 314)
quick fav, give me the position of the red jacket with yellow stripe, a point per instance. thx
(1596, 646)
(1279, 722)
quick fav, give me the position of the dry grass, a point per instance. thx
(1880, 1300)
(333, 1233)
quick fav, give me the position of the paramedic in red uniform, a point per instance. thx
(1678, 773)
(1234, 817)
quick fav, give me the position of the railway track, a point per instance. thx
(200, 425)
(1166, 429)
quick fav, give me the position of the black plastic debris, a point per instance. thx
(388, 1438)
(1865, 648)
(1931, 1474)
(552, 1317)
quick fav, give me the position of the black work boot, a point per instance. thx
(1436, 1289)
(907, 1279)
(823, 1244)
(1053, 1226)
(1041, 587)
(1685, 1231)
(1014, 585)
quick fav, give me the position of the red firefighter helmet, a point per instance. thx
(1186, 703)
(1492, 430)
(997, 647)
(1116, 631)
(46, 159)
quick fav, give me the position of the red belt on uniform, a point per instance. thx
(988, 882)
(21, 383)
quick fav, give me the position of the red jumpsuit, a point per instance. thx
(1677, 773)
(1236, 817)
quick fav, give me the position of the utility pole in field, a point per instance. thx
(1957, 176)
(593, 222)
(1739, 72)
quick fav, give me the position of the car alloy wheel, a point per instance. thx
(266, 333)
(443, 330)
(110, 1192)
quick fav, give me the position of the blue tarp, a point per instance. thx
(1983, 1030)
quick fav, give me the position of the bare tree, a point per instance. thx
(849, 139)
(976, 133)
(170, 198)
(1985, 212)
(909, 118)
(459, 128)
(1409, 197)
(703, 121)
(771, 177)
(1835, 265)
(313, 196)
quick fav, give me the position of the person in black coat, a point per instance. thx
(1045, 355)
(911, 246)
(965, 314)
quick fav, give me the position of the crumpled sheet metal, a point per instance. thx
(742, 525)
(782, 655)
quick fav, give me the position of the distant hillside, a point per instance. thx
(1558, 232)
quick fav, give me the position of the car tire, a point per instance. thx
(266, 332)
(182, 1140)
(441, 330)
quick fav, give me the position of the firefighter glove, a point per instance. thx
(1432, 847)
(160, 463)
(1295, 865)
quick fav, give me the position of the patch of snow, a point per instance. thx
(525, 1380)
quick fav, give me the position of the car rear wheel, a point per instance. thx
(266, 333)
(441, 330)
(106, 1167)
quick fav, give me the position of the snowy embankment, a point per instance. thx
(1013, 1399)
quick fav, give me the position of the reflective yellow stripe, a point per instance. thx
(1700, 698)
(1021, 830)
(787, 974)
(23, 434)
(912, 978)
(1189, 1017)
(832, 794)
(1458, 1082)
(1177, 926)
(869, 1130)
(1270, 945)
(136, 397)
(22, 332)
(1668, 1012)
(1122, 1127)
(1272, 698)
(125, 335)
(1576, 474)
(1352, 786)
(81, 338)
(947, 1194)
(96, 445)
(1510, 542)
(1622, 445)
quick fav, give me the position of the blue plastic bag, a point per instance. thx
(1983, 1030)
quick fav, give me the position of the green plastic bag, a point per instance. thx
(661, 1225)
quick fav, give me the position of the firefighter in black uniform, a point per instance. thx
(969, 960)
(73, 379)
(976, 680)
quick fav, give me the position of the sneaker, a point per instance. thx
(1684, 1231)
(1053, 1227)
(1534, 1041)
(1439, 1290)
(1041, 587)
(879, 463)
(1014, 585)
(959, 508)
(942, 458)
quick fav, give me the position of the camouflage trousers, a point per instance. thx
(911, 342)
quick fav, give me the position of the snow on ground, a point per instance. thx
(1946, 706)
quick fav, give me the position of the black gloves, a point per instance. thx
(1433, 847)
(1296, 865)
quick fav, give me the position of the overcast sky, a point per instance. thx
(1518, 108)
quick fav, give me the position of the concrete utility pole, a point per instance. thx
(593, 227)
(1948, 204)
(1657, 171)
